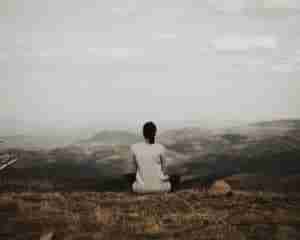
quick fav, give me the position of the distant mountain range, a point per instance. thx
(199, 155)
(117, 137)
(265, 148)
(32, 142)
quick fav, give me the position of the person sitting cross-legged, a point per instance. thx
(147, 165)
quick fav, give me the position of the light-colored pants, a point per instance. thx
(163, 187)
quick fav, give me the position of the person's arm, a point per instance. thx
(163, 163)
(131, 168)
(173, 178)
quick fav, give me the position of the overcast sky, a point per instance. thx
(75, 62)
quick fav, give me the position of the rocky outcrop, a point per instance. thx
(219, 188)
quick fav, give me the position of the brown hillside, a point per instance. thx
(188, 214)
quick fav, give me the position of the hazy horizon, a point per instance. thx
(119, 63)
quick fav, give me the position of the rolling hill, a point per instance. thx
(200, 156)
(116, 137)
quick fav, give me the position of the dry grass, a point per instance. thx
(187, 214)
(104, 215)
(151, 225)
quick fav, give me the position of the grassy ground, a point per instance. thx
(186, 214)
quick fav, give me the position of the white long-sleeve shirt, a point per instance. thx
(149, 163)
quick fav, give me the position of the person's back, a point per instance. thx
(147, 162)
(150, 176)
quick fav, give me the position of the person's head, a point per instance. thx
(149, 132)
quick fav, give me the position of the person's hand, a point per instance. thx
(165, 178)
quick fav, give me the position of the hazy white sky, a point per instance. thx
(75, 62)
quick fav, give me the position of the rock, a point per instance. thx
(219, 188)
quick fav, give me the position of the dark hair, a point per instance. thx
(149, 132)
